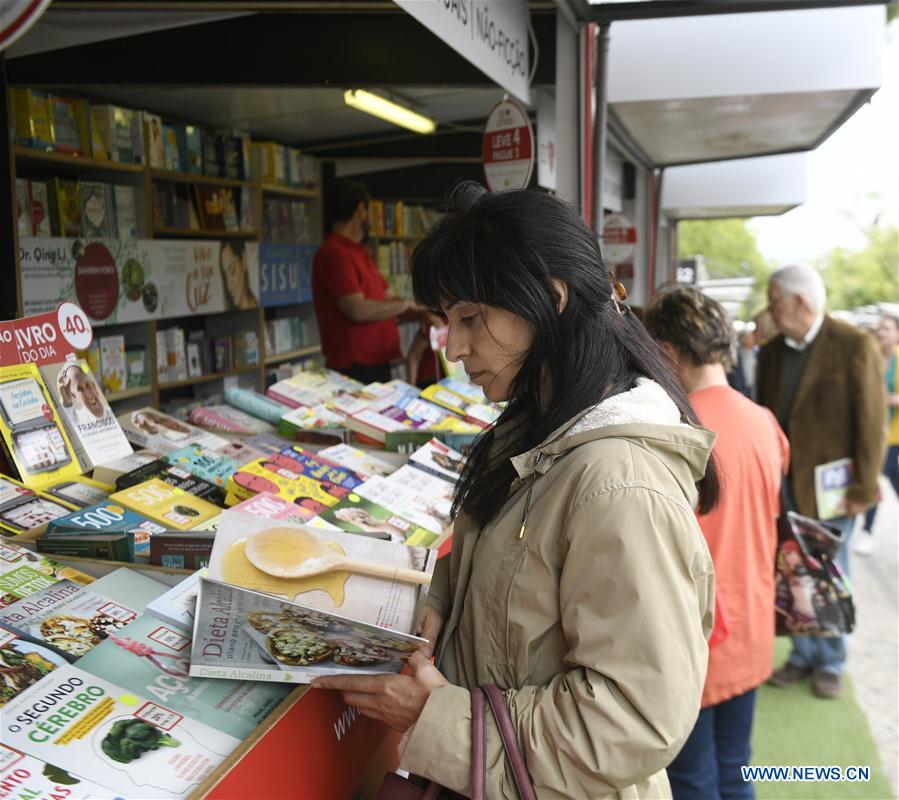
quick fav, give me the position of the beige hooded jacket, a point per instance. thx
(594, 622)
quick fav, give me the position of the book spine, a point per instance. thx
(254, 404)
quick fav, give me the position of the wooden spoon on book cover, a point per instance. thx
(294, 553)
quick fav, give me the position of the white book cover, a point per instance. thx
(438, 459)
(416, 495)
(363, 463)
(109, 471)
(126, 211)
(40, 209)
(178, 605)
(93, 430)
(116, 738)
(146, 427)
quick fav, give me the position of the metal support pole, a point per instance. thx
(600, 129)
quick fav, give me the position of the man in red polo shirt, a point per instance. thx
(355, 308)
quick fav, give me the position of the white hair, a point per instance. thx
(802, 280)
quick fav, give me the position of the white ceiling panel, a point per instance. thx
(716, 128)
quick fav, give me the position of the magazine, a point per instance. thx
(438, 459)
(386, 603)
(357, 514)
(362, 462)
(244, 634)
(92, 427)
(423, 498)
(77, 721)
(831, 482)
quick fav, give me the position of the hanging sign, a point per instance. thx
(491, 34)
(508, 150)
(45, 338)
(619, 241)
(17, 17)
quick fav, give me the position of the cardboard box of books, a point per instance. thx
(149, 428)
(92, 427)
(167, 505)
(107, 734)
(31, 431)
(24, 512)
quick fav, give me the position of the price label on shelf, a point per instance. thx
(45, 338)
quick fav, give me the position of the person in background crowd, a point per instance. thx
(887, 333)
(579, 582)
(355, 308)
(822, 379)
(748, 354)
(752, 454)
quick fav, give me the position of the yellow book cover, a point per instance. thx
(262, 157)
(31, 111)
(168, 505)
(83, 124)
(274, 474)
(33, 435)
(445, 398)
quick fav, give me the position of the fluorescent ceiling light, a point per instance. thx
(389, 111)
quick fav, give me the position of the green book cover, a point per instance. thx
(152, 659)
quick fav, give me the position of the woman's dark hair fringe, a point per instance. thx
(502, 250)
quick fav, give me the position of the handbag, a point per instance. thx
(814, 598)
(395, 787)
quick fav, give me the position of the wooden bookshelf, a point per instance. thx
(127, 394)
(278, 358)
(289, 191)
(74, 163)
(170, 176)
(199, 233)
(212, 376)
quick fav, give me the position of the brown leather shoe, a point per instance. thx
(788, 674)
(827, 684)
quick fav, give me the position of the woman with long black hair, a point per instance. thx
(579, 581)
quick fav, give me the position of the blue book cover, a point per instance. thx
(307, 464)
(108, 518)
(203, 463)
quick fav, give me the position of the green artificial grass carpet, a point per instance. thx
(793, 727)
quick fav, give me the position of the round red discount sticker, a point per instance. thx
(97, 281)
(74, 326)
(508, 151)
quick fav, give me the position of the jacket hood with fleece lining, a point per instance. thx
(645, 415)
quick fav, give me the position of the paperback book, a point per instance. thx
(438, 459)
(108, 472)
(207, 464)
(276, 474)
(149, 428)
(182, 549)
(31, 432)
(152, 659)
(80, 492)
(107, 734)
(359, 515)
(89, 421)
(24, 572)
(26, 512)
(228, 419)
(108, 517)
(425, 499)
(363, 463)
(173, 476)
(30, 777)
(167, 505)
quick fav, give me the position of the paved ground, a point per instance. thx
(874, 646)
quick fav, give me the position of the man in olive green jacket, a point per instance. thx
(593, 621)
(822, 379)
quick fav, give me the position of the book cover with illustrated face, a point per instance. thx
(31, 429)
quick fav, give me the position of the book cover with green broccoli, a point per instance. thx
(104, 733)
(27, 777)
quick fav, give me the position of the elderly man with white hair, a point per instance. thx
(821, 378)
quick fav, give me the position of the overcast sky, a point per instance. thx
(860, 160)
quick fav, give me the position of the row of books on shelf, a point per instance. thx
(393, 258)
(71, 208)
(286, 334)
(396, 218)
(79, 127)
(182, 354)
(202, 207)
(119, 366)
(285, 220)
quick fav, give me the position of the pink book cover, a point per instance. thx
(270, 506)
(206, 418)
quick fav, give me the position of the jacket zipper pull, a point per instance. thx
(527, 500)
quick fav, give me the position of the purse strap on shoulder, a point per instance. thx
(478, 746)
(510, 742)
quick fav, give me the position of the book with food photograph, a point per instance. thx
(253, 636)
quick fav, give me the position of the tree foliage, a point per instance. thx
(730, 249)
(856, 278)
